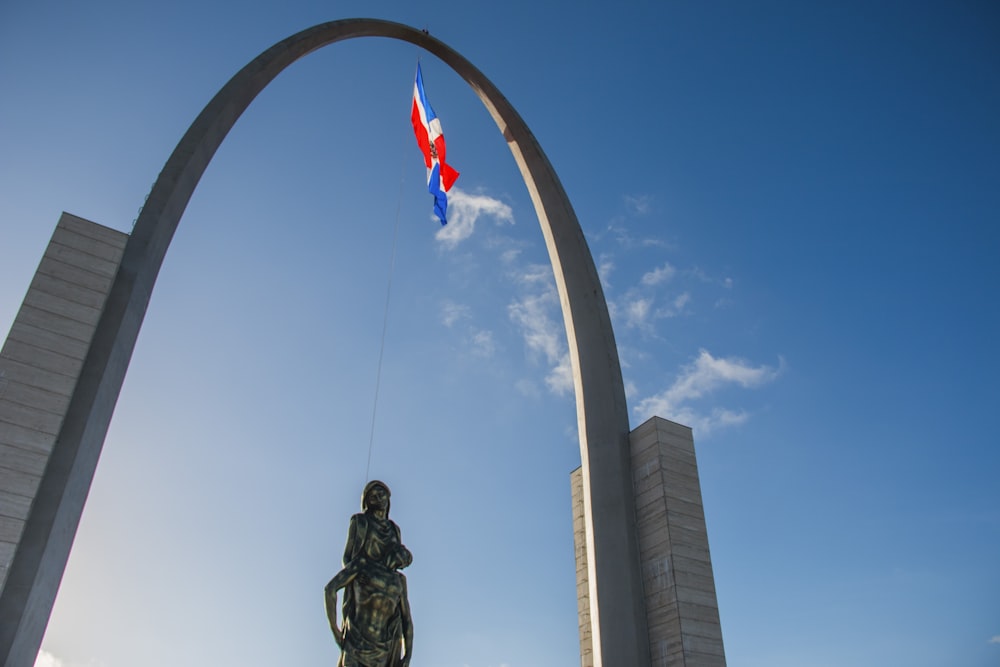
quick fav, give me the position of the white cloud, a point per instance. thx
(537, 317)
(560, 379)
(676, 306)
(698, 379)
(639, 205)
(700, 275)
(604, 268)
(541, 333)
(704, 424)
(483, 344)
(464, 210)
(510, 255)
(46, 659)
(995, 639)
(537, 274)
(630, 389)
(637, 312)
(452, 312)
(659, 275)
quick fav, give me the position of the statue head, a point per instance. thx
(376, 494)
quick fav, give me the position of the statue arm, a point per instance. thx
(352, 540)
(344, 577)
(352, 562)
(407, 623)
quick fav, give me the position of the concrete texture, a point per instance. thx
(582, 585)
(40, 364)
(614, 578)
(682, 612)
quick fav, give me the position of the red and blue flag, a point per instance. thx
(430, 138)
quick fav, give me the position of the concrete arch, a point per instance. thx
(617, 608)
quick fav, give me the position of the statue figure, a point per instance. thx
(377, 630)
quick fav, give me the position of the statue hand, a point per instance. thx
(400, 558)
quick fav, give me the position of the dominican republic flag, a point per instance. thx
(440, 176)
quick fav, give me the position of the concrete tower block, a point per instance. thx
(682, 611)
(40, 364)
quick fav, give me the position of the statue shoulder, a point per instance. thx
(359, 524)
(394, 530)
(356, 535)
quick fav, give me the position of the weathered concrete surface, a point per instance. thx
(582, 585)
(682, 612)
(40, 365)
(614, 577)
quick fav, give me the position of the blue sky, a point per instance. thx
(794, 209)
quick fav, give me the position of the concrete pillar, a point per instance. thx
(40, 364)
(582, 577)
(682, 612)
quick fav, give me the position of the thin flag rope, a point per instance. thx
(385, 312)
(385, 316)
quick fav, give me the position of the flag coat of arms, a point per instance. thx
(430, 138)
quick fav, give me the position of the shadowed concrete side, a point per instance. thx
(40, 365)
(617, 613)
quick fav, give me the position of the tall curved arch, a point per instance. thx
(617, 607)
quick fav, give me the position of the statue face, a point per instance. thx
(377, 498)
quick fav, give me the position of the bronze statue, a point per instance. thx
(377, 630)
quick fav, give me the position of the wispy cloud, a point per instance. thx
(541, 333)
(483, 344)
(452, 312)
(536, 275)
(619, 230)
(510, 255)
(995, 639)
(536, 316)
(630, 389)
(637, 313)
(675, 307)
(464, 210)
(604, 268)
(46, 659)
(638, 205)
(700, 275)
(698, 379)
(659, 275)
(560, 378)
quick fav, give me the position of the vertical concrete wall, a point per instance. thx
(681, 604)
(682, 612)
(41, 362)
